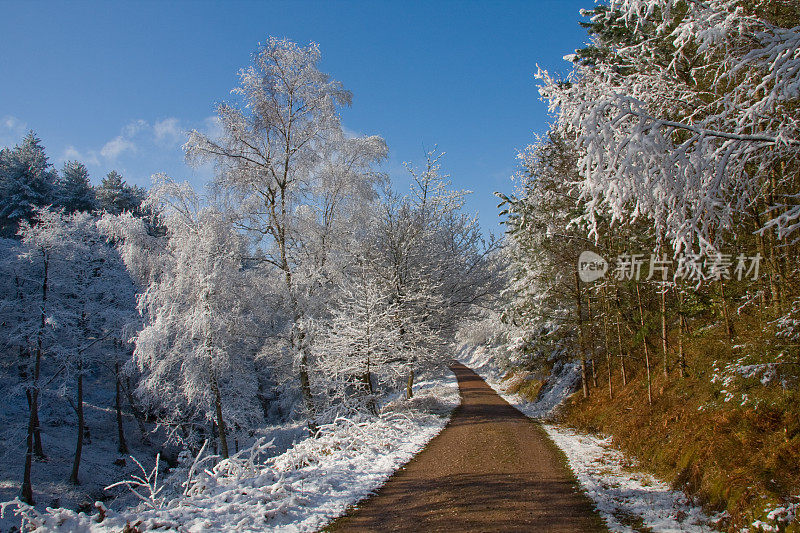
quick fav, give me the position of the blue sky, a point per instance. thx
(114, 84)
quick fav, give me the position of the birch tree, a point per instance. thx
(283, 151)
(193, 304)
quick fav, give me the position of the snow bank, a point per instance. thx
(299, 490)
(628, 500)
(564, 379)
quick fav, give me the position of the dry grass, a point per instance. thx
(524, 383)
(734, 446)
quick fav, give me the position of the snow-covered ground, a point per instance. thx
(627, 499)
(301, 489)
(101, 461)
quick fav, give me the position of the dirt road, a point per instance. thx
(490, 469)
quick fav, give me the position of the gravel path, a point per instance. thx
(490, 469)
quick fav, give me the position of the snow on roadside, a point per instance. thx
(628, 500)
(300, 490)
(623, 497)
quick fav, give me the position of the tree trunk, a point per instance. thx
(367, 380)
(646, 351)
(592, 343)
(298, 341)
(725, 314)
(122, 446)
(664, 345)
(76, 463)
(607, 342)
(308, 398)
(619, 341)
(33, 407)
(410, 384)
(579, 313)
(38, 450)
(26, 492)
(681, 332)
(223, 438)
(767, 257)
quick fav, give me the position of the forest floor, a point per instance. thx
(491, 469)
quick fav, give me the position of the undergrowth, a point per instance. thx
(522, 383)
(728, 433)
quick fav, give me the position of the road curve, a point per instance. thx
(490, 469)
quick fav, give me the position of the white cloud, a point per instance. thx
(351, 134)
(117, 146)
(12, 123)
(71, 153)
(134, 127)
(12, 130)
(168, 131)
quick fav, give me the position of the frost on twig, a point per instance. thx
(30, 517)
(147, 483)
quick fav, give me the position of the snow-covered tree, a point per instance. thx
(358, 341)
(115, 196)
(74, 192)
(298, 176)
(686, 118)
(27, 181)
(195, 306)
(72, 297)
(434, 263)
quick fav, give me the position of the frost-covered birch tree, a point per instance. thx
(297, 175)
(434, 262)
(194, 305)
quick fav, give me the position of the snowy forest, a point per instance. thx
(299, 286)
(266, 352)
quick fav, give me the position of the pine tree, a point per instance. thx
(74, 192)
(115, 196)
(27, 181)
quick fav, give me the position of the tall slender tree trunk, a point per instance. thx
(122, 446)
(766, 255)
(592, 343)
(76, 463)
(367, 379)
(681, 333)
(776, 278)
(32, 397)
(646, 351)
(607, 342)
(305, 388)
(619, 341)
(38, 450)
(26, 491)
(725, 312)
(223, 437)
(664, 345)
(298, 340)
(579, 314)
